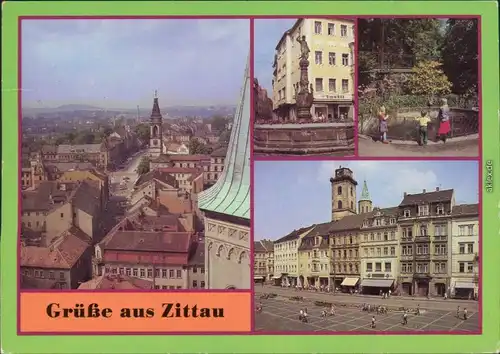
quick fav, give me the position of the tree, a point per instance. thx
(460, 55)
(143, 166)
(196, 147)
(218, 123)
(142, 131)
(429, 80)
(85, 137)
(225, 136)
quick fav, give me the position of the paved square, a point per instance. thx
(280, 314)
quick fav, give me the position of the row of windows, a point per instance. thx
(320, 87)
(195, 286)
(330, 29)
(379, 251)
(424, 210)
(424, 249)
(42, 274)
(332, 58)
(37, 224)
(386, 236)
(158, 273)
(439, 267)
(378, 267)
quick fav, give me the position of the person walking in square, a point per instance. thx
(373, 325)
(458, 311)
(444, 120)
(405, 318)
(465, 313)
(423, 122)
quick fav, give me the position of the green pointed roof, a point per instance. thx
(230, 195)
(365, 195)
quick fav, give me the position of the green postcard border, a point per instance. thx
(487, 342)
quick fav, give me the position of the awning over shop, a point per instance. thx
(258, 277)
(377, 283)
(277, 277)
(350, 282)
(460, 285)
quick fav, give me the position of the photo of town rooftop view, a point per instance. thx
(367, 246)
(135, 154)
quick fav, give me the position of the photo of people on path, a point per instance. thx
(418, 87)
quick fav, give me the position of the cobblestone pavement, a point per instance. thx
(461, 148)
(280, 314)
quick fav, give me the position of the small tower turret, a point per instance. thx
(365, 204)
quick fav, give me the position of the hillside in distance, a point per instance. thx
(168, 112)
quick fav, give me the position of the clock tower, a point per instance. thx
(343, 193)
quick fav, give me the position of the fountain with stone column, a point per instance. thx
(308, 137)
(304, 94)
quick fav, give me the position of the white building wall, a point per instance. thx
(464, 231)
(227, 255)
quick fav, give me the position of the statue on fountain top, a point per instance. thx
(304, 48)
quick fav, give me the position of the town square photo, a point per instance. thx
(418, 86)
(368, 246)
(135, 161)
(304, 86)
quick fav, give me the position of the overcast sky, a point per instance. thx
(119, 63)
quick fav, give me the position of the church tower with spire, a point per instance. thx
(365, 204)
(156, 133)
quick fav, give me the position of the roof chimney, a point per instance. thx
(437, 189)
(405, 194)
(424, 191)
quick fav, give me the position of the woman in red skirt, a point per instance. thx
(444, 120)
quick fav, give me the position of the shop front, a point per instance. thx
(376, 286)
(464, 290)
(349, 284)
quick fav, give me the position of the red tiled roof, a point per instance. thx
(465, 210)
(147, 241)
(428, 197)
(64, 255)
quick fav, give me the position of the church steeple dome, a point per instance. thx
(365, 195)
(365, 204)
(156, 132)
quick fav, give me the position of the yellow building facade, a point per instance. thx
(315, 258)
(330, 72)
(286, 257)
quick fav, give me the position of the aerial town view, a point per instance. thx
(304, 86)
(135, 154)
(367, 246)
(418, 87)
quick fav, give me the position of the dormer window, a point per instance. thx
(423, 210)
(406, 213)
(440, 209)
(392, 221)
(378, 222)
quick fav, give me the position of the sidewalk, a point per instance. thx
(431, 303)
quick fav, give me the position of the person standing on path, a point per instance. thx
(444, 120)
(423, 122)
(458, 311)
(405, 318)
(465, 313)
(382, 117)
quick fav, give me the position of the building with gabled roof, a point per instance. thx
(226, 207)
